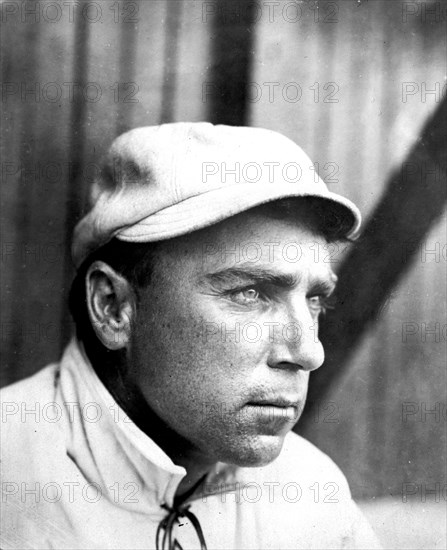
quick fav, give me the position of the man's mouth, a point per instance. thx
(276, 408)
(278, 401)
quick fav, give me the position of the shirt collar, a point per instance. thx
(106, 445)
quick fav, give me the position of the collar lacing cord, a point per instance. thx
(168, 523)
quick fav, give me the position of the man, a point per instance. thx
(167, 423)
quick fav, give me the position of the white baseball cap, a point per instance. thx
(160, 182)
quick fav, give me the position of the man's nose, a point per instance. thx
(296, 344)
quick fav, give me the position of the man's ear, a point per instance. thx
(111, 305)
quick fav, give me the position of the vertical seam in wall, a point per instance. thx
(26, 158)
(170, 68)
(75, 190)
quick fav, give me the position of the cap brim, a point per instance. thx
(216, 205)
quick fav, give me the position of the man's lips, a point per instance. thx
(275, 415)
(280, 402)
(282, 409)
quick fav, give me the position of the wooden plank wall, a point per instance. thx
(132, 63)
(115, 65)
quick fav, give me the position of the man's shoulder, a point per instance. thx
(36, 388)
(302, 501)
(27, 410)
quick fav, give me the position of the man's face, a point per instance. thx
(226, 335)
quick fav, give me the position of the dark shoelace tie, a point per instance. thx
(168, 523)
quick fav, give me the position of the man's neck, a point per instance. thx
(179, 450)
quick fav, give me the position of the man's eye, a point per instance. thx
(317, 304)
(246, 296)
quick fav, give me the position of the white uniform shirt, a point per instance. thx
(77, 473)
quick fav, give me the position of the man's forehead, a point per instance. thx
(254, 237)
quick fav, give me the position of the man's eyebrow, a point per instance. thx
(257, 275)
(324, 286)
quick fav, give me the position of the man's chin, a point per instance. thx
(257, 452)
